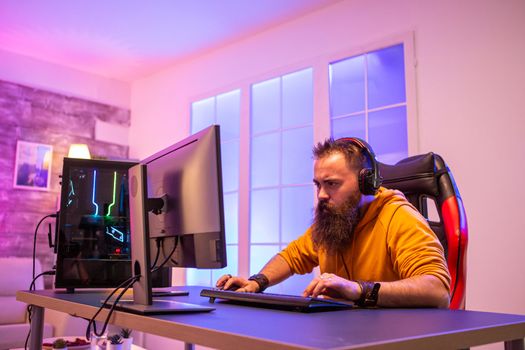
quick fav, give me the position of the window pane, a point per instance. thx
(386, 77)
(202, 114)
(294, 285)
(233, 264)
(260, 255)
(265, 160)
(349, 127)
(198, 277)
(347, 86)
(230, 165)
(297, 156)
(231, 217)
(296, 211)
(388, 134)
(264, 216)
(228, 114)
(298, 99)
(266, 106)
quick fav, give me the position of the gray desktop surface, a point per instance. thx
(342, 329)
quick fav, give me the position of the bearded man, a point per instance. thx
(371, 245)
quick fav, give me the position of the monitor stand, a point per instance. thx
(143, 302)
(160, 306)
(162, 292)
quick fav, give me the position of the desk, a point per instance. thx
(242, 327)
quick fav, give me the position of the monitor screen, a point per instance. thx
(93, 242)
(176, 209)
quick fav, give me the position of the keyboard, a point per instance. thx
(276, 301)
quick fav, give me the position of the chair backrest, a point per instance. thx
(426, 180)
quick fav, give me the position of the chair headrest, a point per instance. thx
(417, 174)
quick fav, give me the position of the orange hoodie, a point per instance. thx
(392, 241)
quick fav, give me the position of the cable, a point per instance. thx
(32, 286)
(34, 239)
(29, 308)
(125, 285)
(157, 255)
(175, 244)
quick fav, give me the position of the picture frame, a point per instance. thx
(33, 166)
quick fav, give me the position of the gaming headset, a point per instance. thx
(369, 178)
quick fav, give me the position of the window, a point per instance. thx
(223, 109)
(268, 193)
(368, 100)
(281, 194)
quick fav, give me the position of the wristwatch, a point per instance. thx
(369, 294)
(261, 280)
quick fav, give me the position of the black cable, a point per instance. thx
(175, 244)
(29, 308)
(126, 285)
(157, 255)
(34, 239)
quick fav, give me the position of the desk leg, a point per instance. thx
(190, 346)
(516, 344)
(37, 327)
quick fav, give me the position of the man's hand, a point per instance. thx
(332, 286)
(238, 284)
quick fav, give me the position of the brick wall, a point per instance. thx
(39, 116)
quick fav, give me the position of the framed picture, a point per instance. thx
(33, 166)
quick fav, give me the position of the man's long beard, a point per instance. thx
(333, 227)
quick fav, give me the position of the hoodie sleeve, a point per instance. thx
(413, 247)
(300, 254)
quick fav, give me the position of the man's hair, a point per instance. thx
(355, 159)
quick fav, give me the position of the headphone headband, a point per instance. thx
(369, 178)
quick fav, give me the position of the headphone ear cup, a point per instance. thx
(366, 181)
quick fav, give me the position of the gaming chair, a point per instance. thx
(425, 178)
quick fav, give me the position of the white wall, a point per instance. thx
(60, 79)
(471, 97)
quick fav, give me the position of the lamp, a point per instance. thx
(79, 150)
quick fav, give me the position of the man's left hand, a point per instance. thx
(332, 286)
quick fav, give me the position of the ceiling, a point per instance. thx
(129, 39)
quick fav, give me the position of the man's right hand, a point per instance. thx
(238, 284)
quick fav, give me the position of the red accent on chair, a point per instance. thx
(425, 177)
(456, 232)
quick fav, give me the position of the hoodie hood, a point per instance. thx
(383, 197)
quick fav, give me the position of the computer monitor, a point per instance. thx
(92, 240)
(176, 203)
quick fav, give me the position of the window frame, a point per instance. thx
(321, 117)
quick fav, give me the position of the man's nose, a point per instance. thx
(322, 194)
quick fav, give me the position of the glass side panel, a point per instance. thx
(202, 114)
(388, 134)
(297, 156)
(296, 211)
(264, 216)
(347, 86)
(260, 255)
(386, 76)
(230, 165)
(266, 106)
(298, 98)
(354, 126)
(231, 217)
(228, 114)
(265, 160)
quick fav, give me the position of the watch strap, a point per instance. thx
(261, 280)
(369, 293)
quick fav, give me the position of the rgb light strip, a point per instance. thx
(94, 191)
(114, 191)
